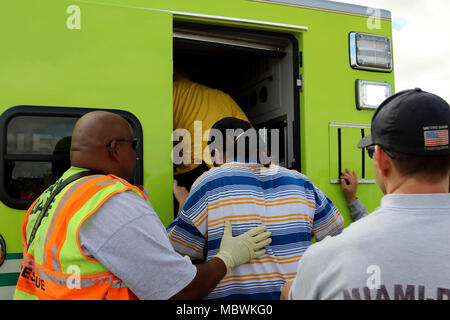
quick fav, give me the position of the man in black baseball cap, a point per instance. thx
(412, 129)
(407, 122)
(400, 251)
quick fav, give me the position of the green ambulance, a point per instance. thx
(315, 70)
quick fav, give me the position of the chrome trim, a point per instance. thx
(349, 125)
(330, 6)
(248, 21)
(222, 39)
(205, 16)
(352, 51)
(11, 266)
(362, 181)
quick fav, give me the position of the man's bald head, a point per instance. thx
(91, 135)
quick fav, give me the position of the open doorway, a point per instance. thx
(259, 70)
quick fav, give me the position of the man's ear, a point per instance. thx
(113, 150)
(384, 162)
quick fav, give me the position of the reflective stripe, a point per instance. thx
(123, 181)
(55, 261)
(85, 281)
(118, 284)
(36, 281)
(60, 205)
(81, 186)
(105, 182)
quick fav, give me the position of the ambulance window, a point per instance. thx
(37, 153)
(35, 150)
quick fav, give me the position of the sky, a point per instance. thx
(421, 42)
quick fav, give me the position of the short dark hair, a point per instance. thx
(252, 149)
(432, 168)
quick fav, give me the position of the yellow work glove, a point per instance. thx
(235, 251)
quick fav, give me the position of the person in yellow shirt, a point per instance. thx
(196, 108)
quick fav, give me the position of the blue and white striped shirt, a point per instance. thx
(249, 195)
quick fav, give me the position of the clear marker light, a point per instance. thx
(371, 94)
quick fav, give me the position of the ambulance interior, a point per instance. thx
(256, 69)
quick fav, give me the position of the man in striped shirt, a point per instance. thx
(249, 193)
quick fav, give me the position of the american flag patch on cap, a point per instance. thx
(436, 138)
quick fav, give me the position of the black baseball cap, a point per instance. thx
(412, 122)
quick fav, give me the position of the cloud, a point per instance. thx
(420, 41)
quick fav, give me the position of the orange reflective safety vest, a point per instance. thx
(54, 265)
